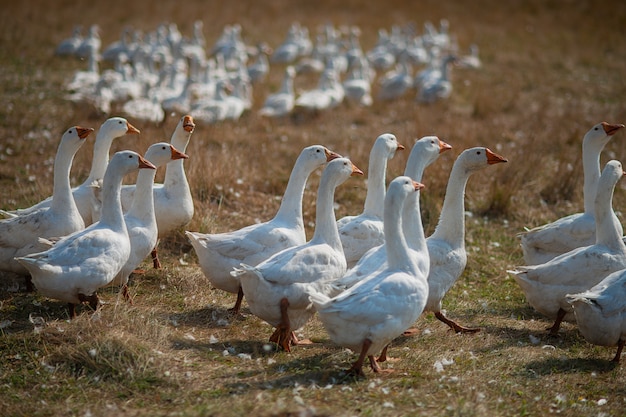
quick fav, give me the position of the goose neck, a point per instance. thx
(451, 225)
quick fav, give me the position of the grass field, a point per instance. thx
(551, 70)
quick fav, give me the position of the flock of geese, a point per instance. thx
(369, 277)
(151, 75)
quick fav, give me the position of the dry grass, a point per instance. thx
(552, 70)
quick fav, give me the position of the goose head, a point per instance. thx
(476, 158)
(387, 144)
(425, 151)
(161, 153)
(599, 134)
(116, 127)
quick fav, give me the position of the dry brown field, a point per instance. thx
(551, 70)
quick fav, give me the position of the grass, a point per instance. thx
(551, 70)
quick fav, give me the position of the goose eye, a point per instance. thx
(596, 128)
(478, 152)
(120, 122)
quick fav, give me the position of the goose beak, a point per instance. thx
(610, 129)
(443, 146)
(188, 124)
(176, 154)
(130, 129)
(494, 158)
(418, 186)
(83, 132)
(330, 155)
(400, 147)
(356, 170)
(144, 163)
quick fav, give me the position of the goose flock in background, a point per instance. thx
(363, 302)
(151, 75)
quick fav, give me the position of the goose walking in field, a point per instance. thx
(368, 316)
(544, 243)
(546, 285)
(140, 219)
(19, 234)
(364, 231)
(81, 263)
(281, 103)
(219, 253)
(275, 288)
(600, 312)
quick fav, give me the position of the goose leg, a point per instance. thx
(560, 315)
(618, 354)
(383, 355)
(237, 306)
(282, 335)
(357, 367)
(91, 299)
(155, 259)
(126, 294)
(71, 307)
(454, 325)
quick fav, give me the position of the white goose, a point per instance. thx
(80, 263)
(601, 312)
(275, 288)
(281, 103)
(424, 152)
(369, 315)
(543, 243)
(111, 129)
(446, 246)
(546, 285)
(19, 234)
(362, 232)
(219, 253)
(140, 219)
(173, 202)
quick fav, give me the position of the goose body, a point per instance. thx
(600, 312)
(19, 234)
(219, 253)
(362, 232)
(544, 243)
(368, 316)
(81, 263)
(546, 285)
(140, 219)
(275, 288)
(281, 103)
(424, 152)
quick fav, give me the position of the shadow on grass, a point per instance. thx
(550, 366)
(211, 317)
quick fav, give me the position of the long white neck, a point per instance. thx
(398, 256)
(291, 205)
(375, 198)
(175, 171)
(62, 198)
(143, 198)
(451, 225)
(100, 160)
(325, 221)
(608, 228)
(112, 214)
(591, 173)
(287, 86)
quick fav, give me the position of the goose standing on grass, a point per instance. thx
(446, 246)
(219, 253)
(544, 243)
(546, 285)
(68, 46)
(140, 219)
(275, 288)
(437, 86)
(19, 234)
(173, 202)
(600, 312)
(362, 232)
(369, 315)
(111, 129)
(82, 262)
(425, 151)
(281, 103)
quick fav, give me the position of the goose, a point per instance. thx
(600, 312)
(369, 315)
(219, 253)
(19, 234)
(140, 219)
(111, 129)
(319, 98)
(446, 246)
(472, 60)
(214, 109)
(362, 232)
(76, 266)
(281, 103)
(90, 44)
(437, 85)
(258, 70)
(544, 243)
(397, 82)
(68, 46)
(546, 285)
(357, 85)
(173, 202)
(424, 152)
(275, 288)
